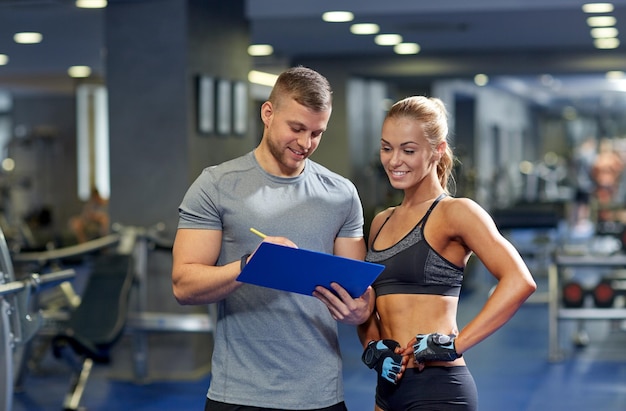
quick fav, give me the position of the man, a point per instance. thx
(273, 349)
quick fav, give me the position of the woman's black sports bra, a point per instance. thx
(413, 267)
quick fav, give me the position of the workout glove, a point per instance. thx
(381, 355)
(434, 347)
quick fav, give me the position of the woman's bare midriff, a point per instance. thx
(403, 316)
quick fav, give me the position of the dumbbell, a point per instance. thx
(573, 295)
(604, 293)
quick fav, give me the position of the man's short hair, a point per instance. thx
(305, 86)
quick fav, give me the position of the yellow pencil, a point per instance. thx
(257, 232)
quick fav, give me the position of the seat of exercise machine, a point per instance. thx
(97, 323)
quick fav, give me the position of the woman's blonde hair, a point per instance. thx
(432, 113)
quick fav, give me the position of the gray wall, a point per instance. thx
(148, 104)
(44, 149)
(156, 50)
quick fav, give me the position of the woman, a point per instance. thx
(412, 338)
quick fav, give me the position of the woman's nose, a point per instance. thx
(395, 159)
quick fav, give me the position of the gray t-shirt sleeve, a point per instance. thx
(199, 207)
(354, 223)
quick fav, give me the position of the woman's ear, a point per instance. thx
(441, 149)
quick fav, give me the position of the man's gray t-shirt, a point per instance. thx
(273, 349)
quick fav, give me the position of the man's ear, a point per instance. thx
(267, 110)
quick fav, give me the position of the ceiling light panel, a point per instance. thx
(406, 48)
(364, 28)
(614, 75)
(604, 32)
(611, 43)
(601, 21)
(91, 4)
(79, 71)
(257, 50)
(481, 79)
(27, 38)
(388, 39)
(337, 16)
(598, 8)
(262, 78)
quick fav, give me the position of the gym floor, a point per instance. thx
(511, 368)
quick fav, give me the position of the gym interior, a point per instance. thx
(93, 170)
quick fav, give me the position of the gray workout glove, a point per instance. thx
(435, 347)
(381, 355)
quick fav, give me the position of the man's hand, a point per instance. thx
(381, 355)
(343, 307)
(434, 347)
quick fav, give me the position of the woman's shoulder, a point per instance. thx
(453, 201)
(459, 208)
(384, 214)
(380, 218)
(461, 214)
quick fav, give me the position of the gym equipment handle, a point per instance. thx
(53, 278)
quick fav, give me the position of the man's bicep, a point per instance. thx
(197, 246)
(350, 247)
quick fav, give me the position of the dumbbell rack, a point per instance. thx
(557, 313)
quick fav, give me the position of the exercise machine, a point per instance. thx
(18, 322)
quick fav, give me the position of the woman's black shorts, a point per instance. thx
(434, 388)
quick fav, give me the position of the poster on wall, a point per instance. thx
(240, 107)
(206, 104)
(224, 107)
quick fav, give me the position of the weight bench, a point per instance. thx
(97, 323)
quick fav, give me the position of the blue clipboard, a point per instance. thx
(300, 271)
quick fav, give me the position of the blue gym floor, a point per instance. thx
(511, 369)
